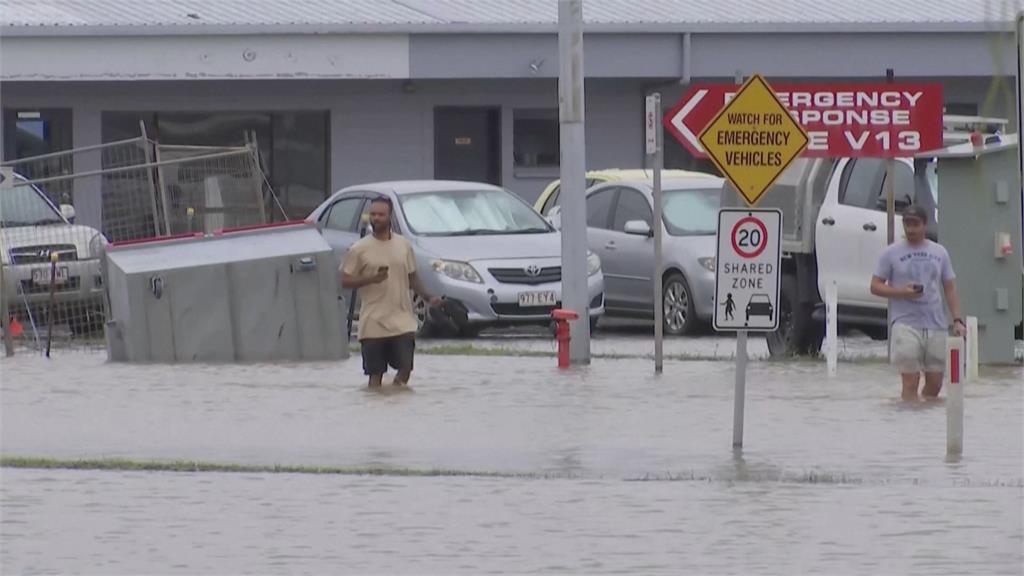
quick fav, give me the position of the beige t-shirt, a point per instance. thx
(386, 307)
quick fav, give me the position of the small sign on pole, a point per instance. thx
(652, 127)
(747, 275)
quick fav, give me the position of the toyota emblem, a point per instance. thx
(532, 270)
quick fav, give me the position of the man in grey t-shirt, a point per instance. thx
(915, 274)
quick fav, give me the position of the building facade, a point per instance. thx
(348, 91)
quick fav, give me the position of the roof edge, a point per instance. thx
(49, 30)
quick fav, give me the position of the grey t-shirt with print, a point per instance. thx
(927, 264)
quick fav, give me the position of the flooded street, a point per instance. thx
(624, 471)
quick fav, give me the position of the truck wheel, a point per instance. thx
(798, 332)
(679, 316)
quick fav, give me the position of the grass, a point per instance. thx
(190, 466)
(126, 465)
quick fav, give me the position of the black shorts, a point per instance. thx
(396, 351)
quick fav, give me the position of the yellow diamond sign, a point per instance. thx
(753, 139)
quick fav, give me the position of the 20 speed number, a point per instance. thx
(749, 237)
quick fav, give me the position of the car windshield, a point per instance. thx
(25, 206)
(470, 213)
(691, 212)
(759, 299)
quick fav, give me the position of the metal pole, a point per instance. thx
(163, 189)
(890, 218)
(741, 389)
(573, 175)
(653, 118)
(6, 179)
(49, 310)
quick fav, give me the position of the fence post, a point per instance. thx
(149, 178)
(955, 396)
(163, 189)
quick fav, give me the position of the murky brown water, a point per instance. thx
(836, 476)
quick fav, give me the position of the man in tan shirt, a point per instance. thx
(382, 267)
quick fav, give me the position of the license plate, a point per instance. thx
(530, 299)
(41, 276)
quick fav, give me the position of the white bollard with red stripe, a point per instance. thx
(957, 369)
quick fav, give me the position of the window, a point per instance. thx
(692, 212)
(342, 215)
(861, 183)
(535, 142)
(36, 132)
(470, 213)
(293, 146)
(599, 208)
(631, 206)
(903, 189)
(961, 109)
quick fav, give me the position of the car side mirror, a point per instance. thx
(68, 212)
(638, 227)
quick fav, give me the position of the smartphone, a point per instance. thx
(918, 288)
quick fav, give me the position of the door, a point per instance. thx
(341, 224)
(633, 257)
(851, 230)
(467, 144)
(601, 241)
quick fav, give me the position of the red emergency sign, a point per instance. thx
(841, 120)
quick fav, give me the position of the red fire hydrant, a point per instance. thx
(562, 318)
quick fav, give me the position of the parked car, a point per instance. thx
(549, 198)
(760, 305)
(619, 230)
(32, 228)
(476, 243)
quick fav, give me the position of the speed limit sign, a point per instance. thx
(747, 269)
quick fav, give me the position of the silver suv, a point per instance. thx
(32, 229)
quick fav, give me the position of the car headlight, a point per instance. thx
(96, 245)
(593, 263)
(707, 263)
(457, 271)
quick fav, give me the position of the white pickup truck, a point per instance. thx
(834, 229)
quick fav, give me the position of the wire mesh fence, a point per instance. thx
(58, 211)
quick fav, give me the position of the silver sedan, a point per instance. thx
(619, 230)
(476, 243)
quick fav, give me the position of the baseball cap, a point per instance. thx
(918, 212)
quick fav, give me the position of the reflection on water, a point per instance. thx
(837, 476)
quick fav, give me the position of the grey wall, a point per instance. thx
(379, 130)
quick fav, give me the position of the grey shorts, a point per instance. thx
(918, 350)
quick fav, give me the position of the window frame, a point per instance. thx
(625, 191)
(612, 191)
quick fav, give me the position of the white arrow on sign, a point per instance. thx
(677, 120)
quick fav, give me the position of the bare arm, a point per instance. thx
(952, 297)
(352, 282)
(880, 288)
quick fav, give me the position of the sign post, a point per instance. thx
(652, 129)
(752, 140)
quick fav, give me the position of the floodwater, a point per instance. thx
(628, 472)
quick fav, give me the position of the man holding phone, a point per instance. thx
(915, 274)
(382, 267)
